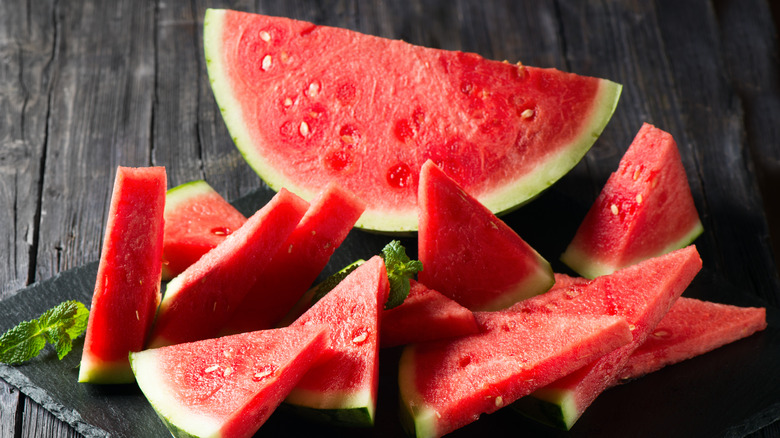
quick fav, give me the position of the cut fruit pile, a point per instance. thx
(487, 325)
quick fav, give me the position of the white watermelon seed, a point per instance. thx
(304, 129)
(314, 89)
(527, 114)
(228, 371)
(262, 374)
(288, 101)
(614, 209)
(636, 174)
(631, 327)
(499, 401)
(138, 317)
(639, 198)
(266, 63)
(360, 338)
(265, 36)
(211, 369)
(661, 333)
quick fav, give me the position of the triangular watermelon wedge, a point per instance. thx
(645, 209)
(690, 328)
(199, 301)
(470, 255)
(642, 293)
(127, 287)
(229, 386)
(197, 219)
(447, 384)
(342, 388)
(425, 315)
(299, 260)
(309, 104)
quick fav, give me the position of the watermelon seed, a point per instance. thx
(499, 401)
(636, 174)
(287, 101)
(661, 334)
(631, 327)
(265, 36)
(614, 209)
(228, 371)
(527, 114)
(289, 249)
(211, 369)
(137, 316)
(314, 89)
(304, 129)
(227, 352)
(360, 338)
(639, 198)
(266, 64)
(260, 375)
(220, 231)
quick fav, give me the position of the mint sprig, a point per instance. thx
(400, 269)
(57, 326)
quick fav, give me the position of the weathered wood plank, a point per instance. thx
(749, 39)
(40, 423)
(10, 410)
(26, 50)
(100, 117)
(712, 113)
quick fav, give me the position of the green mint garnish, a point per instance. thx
(400, 269)
(57, 326)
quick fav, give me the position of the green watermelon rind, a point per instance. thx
(94, 370)
(582, 262)
(155, 387)
(178, 195)
(356, 409)
(416, 420)
(502, 200)
(554, 408)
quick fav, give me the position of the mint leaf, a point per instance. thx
(58, 326)
(400, 269)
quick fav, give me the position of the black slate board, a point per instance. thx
(729, 392)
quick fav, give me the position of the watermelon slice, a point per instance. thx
(645, 210)
(690, 328)
(229, 386)
(425, 315)
(199, 301)
(197, 219)
(342, 389)
(469, 254)
(127, 289)
(447, 384)
(306, 104)
(299, 260)
(642, 293)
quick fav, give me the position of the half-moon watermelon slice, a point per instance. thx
(197, 219)
(229, 386)
(307, 104)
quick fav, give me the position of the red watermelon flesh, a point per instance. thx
(645, 210)
(127, 288)
(299, 261)
(449, 383)
(343, 387)
(307, 104)
(425, 315)
(226, 387)
(197, 219)
(469, 254)
(199, 301)
(642, 293)
(690, 328)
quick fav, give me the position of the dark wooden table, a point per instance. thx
(89, 85)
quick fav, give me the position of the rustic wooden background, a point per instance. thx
(86, 85)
